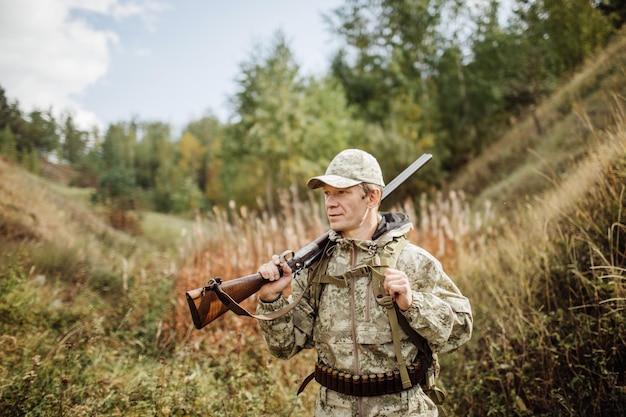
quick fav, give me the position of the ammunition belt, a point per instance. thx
(366, 385)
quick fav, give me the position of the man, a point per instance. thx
(341, 316)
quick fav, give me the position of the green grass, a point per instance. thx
(165, 230)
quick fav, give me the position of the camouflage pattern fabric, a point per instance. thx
(351, 332)
(349, 168)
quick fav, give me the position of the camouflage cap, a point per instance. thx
(349, 168)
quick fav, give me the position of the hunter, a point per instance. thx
(377, 308)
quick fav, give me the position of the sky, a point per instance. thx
(108, 61)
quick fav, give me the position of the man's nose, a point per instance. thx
(331, 201)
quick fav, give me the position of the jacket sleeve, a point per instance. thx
(439, 312)
(289, 334)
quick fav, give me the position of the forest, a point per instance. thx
(103, 231)
(412, 77)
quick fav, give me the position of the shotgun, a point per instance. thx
(217, 297)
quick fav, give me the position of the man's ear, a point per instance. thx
(375, 196)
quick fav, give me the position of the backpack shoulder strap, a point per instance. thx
(429, 358)
(379, 264)
(318, 276)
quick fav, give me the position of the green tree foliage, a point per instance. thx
(116, 176)
(157, 172)
(74, 140)
(269, 105)
(41, 132)
(413, 76)
(8, 147)
(614, 10)
(283, 120)
(569, 30)
(328, 125)
(34, 163)
(10, 115)
(394, 42)
(446, 75)
(118, 146)
(152, 150)
(390, 71)
(470, 88)
(191, 155)
(117, 188)
(38, 132)
(192, 166)
(88, 169)
(176, 193)
(142, 156)
(209, 132)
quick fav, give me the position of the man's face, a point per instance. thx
(346, 209)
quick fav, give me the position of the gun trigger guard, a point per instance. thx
(284, 257)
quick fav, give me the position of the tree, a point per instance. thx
(329, 125)
(10, 114)
(154, 148)
(614, 10)
(269, 105)
(41, 132)
(568, 30)
(209, 132)
(389, 71)
(191, 154)
(8, 147)
(394, 45)
(118, 146)
(74, 140)
(471, 80)
(287, 125)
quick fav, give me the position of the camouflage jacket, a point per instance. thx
(351, 332)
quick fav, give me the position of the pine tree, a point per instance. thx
(8, 147)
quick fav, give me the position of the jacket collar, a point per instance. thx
(390, 225)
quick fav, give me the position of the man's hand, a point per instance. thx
(276, 284)
(397, 285)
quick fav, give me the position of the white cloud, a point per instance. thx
(49, 55)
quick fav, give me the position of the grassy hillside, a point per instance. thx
(545, 144)
(549, 296)
(94, 322)
(80, 301)
(549, 287)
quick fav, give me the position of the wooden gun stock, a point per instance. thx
(206, 304)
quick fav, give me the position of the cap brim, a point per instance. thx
(332, 180)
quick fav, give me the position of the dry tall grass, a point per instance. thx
(234, 243)
(549, 298)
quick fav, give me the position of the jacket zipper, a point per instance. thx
(353, 309)
(368, 300)
(353, 251)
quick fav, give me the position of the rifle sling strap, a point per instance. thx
(236, 308)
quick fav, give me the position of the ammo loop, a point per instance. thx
(366, 385)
